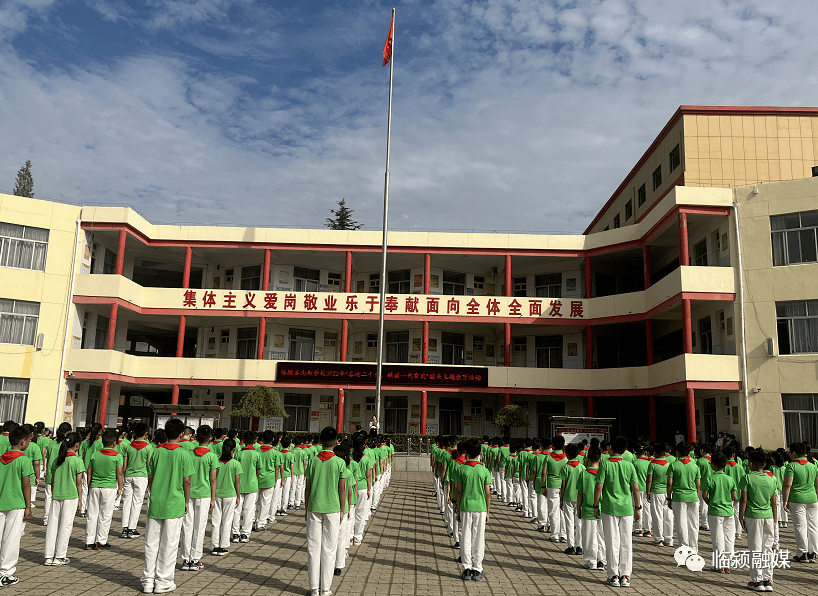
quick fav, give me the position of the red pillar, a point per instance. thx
(684, 251)
(120, 252)
(344, 334)
(348, 273)
(588, 283)
(506, 399)
(254, 423)
(180, 336)
(646, 265)
(186, 272)
(687, 330)
(507, 344)
(265, 275)
(690, 408)
(262, 336)
(427, 273)
(425, 343)
(109, 344)
(509, 289)
(339, 422)
(424, 402)
(103, 401)
(174, 396)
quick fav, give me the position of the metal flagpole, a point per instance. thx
(385, 226)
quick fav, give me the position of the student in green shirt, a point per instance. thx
(472, 507)
(704, 470)
(136, 458)
(202, 500)
(342, 451)
(539, 487)
(363, 476)
(35, 454)
(16, 470)
(736, 471)
(531, 467)
(287, 469)
(299, 465)
(800, 494)
(325, 495)
(593, 541)
(105, 478)
(554, 463)
(656, 487)
(719, 492)
(250, 461)
(188, 442)
(758, 514)
(618, 499)
(52, 452)
(169, 475)
(65, 485)
(570, 476)
(683, 486)
(269, 479)
(228, 498)
(91, 444)
(641, 464)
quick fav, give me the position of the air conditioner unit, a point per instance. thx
(38, 345)
(770, 343)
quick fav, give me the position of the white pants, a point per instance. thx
(322, 540)
(542, 509)
(161, 551)
(783, 516)
(276, 499)
(285, 492)
(265, 506)
(193, 529)
(722, 534)
(11, 528)
(554, 513)
(524, 497)
(300, 489)
(473, 539)
(735, 517)
(662, 519)
(59, 530)
(495, 480)
(593, 541)
(343, 541)
(686, 516)
(47, 508)
(805, 522)
(618, 544)
(503, 486)
(703, 508)
(248, 510)
(760, 539)
(573, 531)
(100, 514)
(644, 524)
(133, 495)
(361, 510)
(33, 493)
(532, 500)
(84, 492)
(222, 521)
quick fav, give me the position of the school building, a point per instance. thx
(687, 305)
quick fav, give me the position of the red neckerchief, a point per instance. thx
(170, 446)
(5, 434)
(472, 463)
(707, 457)
(10, 456)
(216, 442)
(685, 461)
(512, 455)
(557, 456)
(119, 441)
(660, 462)
(573, 463)
(266, 448)
(248, 448)
(770, 474)
(184, 440)
(495, 446)
(485, 443)
(644, 457)
(201, 451)
(546, 452)
(326, 455)
(460, 459)
(285, 451)
(803, 462)
(109, 452)
(139, 445)
(70, 453)
(592, 470)
(731, 463)
(614, 459)
(582, 453)
(506, 445)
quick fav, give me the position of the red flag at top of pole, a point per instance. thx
(387, 47)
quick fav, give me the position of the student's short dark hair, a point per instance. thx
(640, 451)
(485, 438)
(506, 439)
(798, 448)
(328, 435)
(109, 437)
(719, 460)
(204, 433)
(546, 443)
(18, 434)
(683, 448)
(593, 454)
(728, 452)
(267, 436)
(139, 429)
(594, 442)
(535, 443)
(571, 450)
(558, 442)
(757, 458)
(706, 447)
(473, 448)
(451, 441)
(250, 437)
(9, 426)
(174, 428)
(189, 430)
(620, 445)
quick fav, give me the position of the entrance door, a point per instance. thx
(330, 347)
(519, 355)
(396, 415)
(224, 342)
(710, 417)
(451, 416)
(325, 416)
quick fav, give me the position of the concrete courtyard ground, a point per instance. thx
(406, 551)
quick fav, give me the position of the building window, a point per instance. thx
(109, 265)
(397, 346)
(374, 283)
(700, 254)
(297, 406)
(454, 284)
(549, 285)
(306, 279)
(549, 351)
(800, 417)
(705, 336)
(246, 343)
(641, 196)
(101, 333)
(519, 351)
(333, 282)
(18, 321)
(616, 223)
(13, 398)
(797, 326)
(450, 416)
(628, 210)
(240, 422)
(302, 344)
(675, 158)
(395, 410)
(23, 247)
(545, 411)
(251, 277)
(794, 238)
(479, 285)
(399, 282)
(520, 287)
(92, 404)
(453, 348)
(657, 177)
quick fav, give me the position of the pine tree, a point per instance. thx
(343, 218)
(261, 402)
(24, 187)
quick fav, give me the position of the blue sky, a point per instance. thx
(508, 114)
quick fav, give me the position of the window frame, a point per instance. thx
(13, 411)
(28, 321)
(657, 177)
(641, 195)
(7, 241)
(628, 209)
(544, 288)
(675, 157)
(782, 235)
(250, 281)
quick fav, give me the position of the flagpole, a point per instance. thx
(385, 230)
